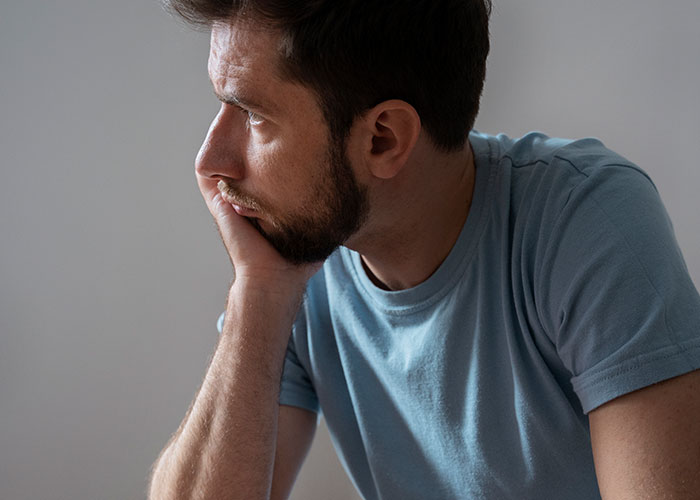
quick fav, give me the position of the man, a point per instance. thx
(504, 319)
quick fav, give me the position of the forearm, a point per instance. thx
(225, 446)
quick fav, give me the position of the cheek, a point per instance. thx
(263, 161)
(278, 165)
(273, 178)
(286, 170)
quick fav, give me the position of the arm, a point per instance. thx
(646, 444)
(295, 432)
(226, 446)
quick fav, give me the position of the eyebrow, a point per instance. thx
(241, 101)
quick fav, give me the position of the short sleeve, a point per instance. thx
(618, 301)
(220, 322)
(296, 387)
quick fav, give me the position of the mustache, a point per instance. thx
(239, 197)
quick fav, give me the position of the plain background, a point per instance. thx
(112, 274)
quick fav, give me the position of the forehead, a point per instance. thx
(244, 66)
(239, 48)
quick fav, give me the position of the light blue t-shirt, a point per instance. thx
(565, 289)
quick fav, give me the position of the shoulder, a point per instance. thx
(544, 180)
(537, 147)
(537, 152)
(554, 194)
(575, 159)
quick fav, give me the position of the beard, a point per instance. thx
(339, 207)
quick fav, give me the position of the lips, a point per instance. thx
(240, 209)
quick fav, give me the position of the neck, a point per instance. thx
(421, 213)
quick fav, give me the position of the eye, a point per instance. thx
(254, 118)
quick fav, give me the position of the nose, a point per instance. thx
(219, 155)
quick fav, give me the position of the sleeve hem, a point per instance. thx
(595, 388)
(299, 400)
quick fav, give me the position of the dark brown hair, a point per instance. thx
(355, 54)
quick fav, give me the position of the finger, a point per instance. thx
(232, 227)
(209, 190)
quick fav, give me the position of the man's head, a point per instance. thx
(295, 80)
(355, 54)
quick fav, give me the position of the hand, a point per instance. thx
(254, 259)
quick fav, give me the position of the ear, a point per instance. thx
(389, 133)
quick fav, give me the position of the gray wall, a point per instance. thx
(111, 271)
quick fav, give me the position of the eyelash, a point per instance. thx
(253, 118)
